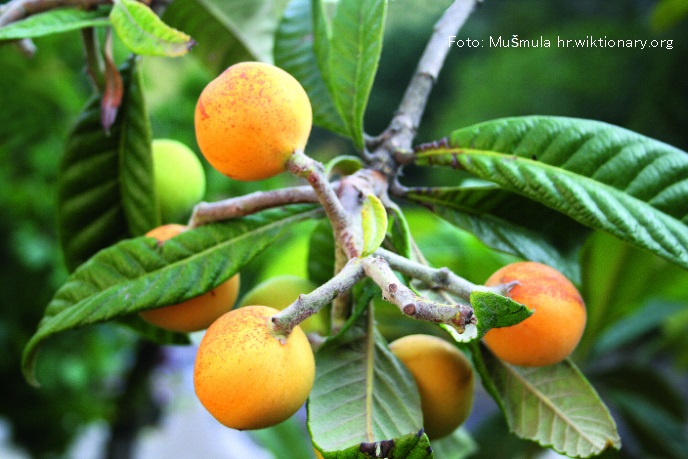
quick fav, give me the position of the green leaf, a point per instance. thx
(227, 32)
(458, 445)
(139, 274)
(322, 11)
(602, 176)
(54, 21)
(353, 55)
(644, 321)
(616, 277)
(105, 186)
(553, 405)
(399, 233)
(642, 380)
(144, 33)
(659, 433)
(411, 446)
(343, 165)
(510, 234)
(294, 52)
(493, 310)
(358, 387)
(374, 224)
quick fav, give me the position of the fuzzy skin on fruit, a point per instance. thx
(250, 119)
(179, 179)
(553, 331)
(245, 377)
(445, 380)
(196, 313)
(279, 292)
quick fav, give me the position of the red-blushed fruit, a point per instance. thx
(445, 381)
(196, 313)
(250, 119)
(553, 331)
(245, 377)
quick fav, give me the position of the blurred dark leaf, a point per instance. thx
(227, 32)
(105, 189)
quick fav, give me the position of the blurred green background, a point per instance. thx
(88, 373)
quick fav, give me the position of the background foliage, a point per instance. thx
(635, 350)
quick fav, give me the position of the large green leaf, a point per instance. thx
(105, 187)
(227, 32)
(139, 274)
(54, 21)
(555, 242)
(144, 33)
(295, 53)
(618, 282)
(352, 54)
(603, 176)
(553, 405)
(359, 386)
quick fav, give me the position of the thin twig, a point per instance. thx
(456, 315)
(435, 278)
(302, 166)
(308, 304)
(206, 212)
(398, 137)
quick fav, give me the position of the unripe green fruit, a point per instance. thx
(281, 291)
(179, 179)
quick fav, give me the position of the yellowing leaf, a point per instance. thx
(374, 223)
(144, 33)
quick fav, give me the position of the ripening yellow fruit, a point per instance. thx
(250, 119)
(553, 331)
(445, 381)
(245, 377)
(196, 313)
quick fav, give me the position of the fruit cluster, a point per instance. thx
(249, 121)
(244, 376)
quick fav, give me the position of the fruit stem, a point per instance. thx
(394, 291)
(209, 212)
(305, 167)
(310, 303)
